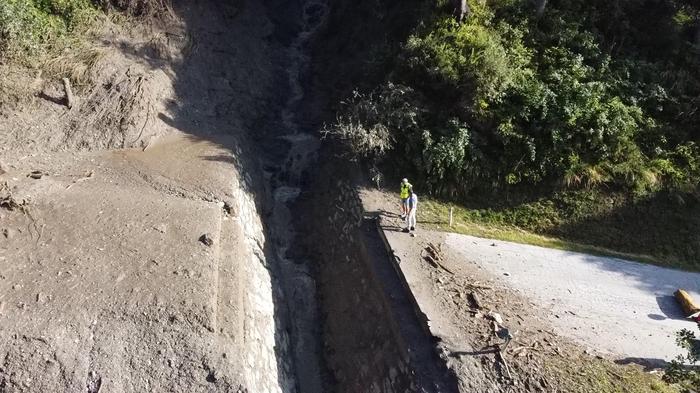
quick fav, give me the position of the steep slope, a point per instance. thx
(105, 283)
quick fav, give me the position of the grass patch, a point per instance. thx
(54, 37)
(602, 376)
(649, 231)
(31, 31)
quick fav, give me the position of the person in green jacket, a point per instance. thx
(404, 194)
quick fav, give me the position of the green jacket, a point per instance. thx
(404, 190)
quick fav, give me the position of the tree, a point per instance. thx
(692, 7)
(540, 6)
(460, 9)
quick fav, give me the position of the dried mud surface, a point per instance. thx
(133, 252)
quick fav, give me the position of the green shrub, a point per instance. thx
(31, 30)
(510, 100)
(683, 370)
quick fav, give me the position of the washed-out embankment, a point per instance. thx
(226, 143)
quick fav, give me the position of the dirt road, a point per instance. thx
(481, 286)
(621, 308)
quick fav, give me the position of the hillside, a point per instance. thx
(188, 203)
(571, 119)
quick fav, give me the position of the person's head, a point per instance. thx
(404, 181)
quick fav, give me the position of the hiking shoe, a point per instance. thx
(406, 230)
(413, 228)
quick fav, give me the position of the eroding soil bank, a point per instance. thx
(177, 230)
(104, 284)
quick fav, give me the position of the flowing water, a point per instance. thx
(294, 273)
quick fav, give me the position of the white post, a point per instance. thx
(451, 209)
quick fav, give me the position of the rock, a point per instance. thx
(36, 174)
(8, 233)
(496, 317)
(229, 209)
(474, 300)
(3, 168)
(506, 274)
(206, 240)
(504, 334)
(162, 228)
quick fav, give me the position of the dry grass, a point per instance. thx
(77, 65)
(602, 376)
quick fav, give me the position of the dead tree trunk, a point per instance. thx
(540, 6)
(460, 9)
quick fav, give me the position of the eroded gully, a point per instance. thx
(286, 178)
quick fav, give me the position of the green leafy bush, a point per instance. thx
(683, 370)
(591, 94)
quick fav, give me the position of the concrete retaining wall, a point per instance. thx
(362, 345)
(267, 364)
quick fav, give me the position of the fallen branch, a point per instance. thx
(436, 254)
(502, 360)
(82, 179)
(69, 93)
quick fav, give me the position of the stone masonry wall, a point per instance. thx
(362, 345)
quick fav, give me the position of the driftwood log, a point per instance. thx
(70, 100)
(690, 308)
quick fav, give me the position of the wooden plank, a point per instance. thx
(69, 93)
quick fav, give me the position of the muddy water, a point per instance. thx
(294, 273)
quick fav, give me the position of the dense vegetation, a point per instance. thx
(34, 32)
(583, 113)
(31, 29)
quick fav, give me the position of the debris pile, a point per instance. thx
(7, 201)
(433, 255)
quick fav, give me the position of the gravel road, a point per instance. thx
(616, 307)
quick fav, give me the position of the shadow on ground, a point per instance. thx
(229, 88)
(232, 85)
